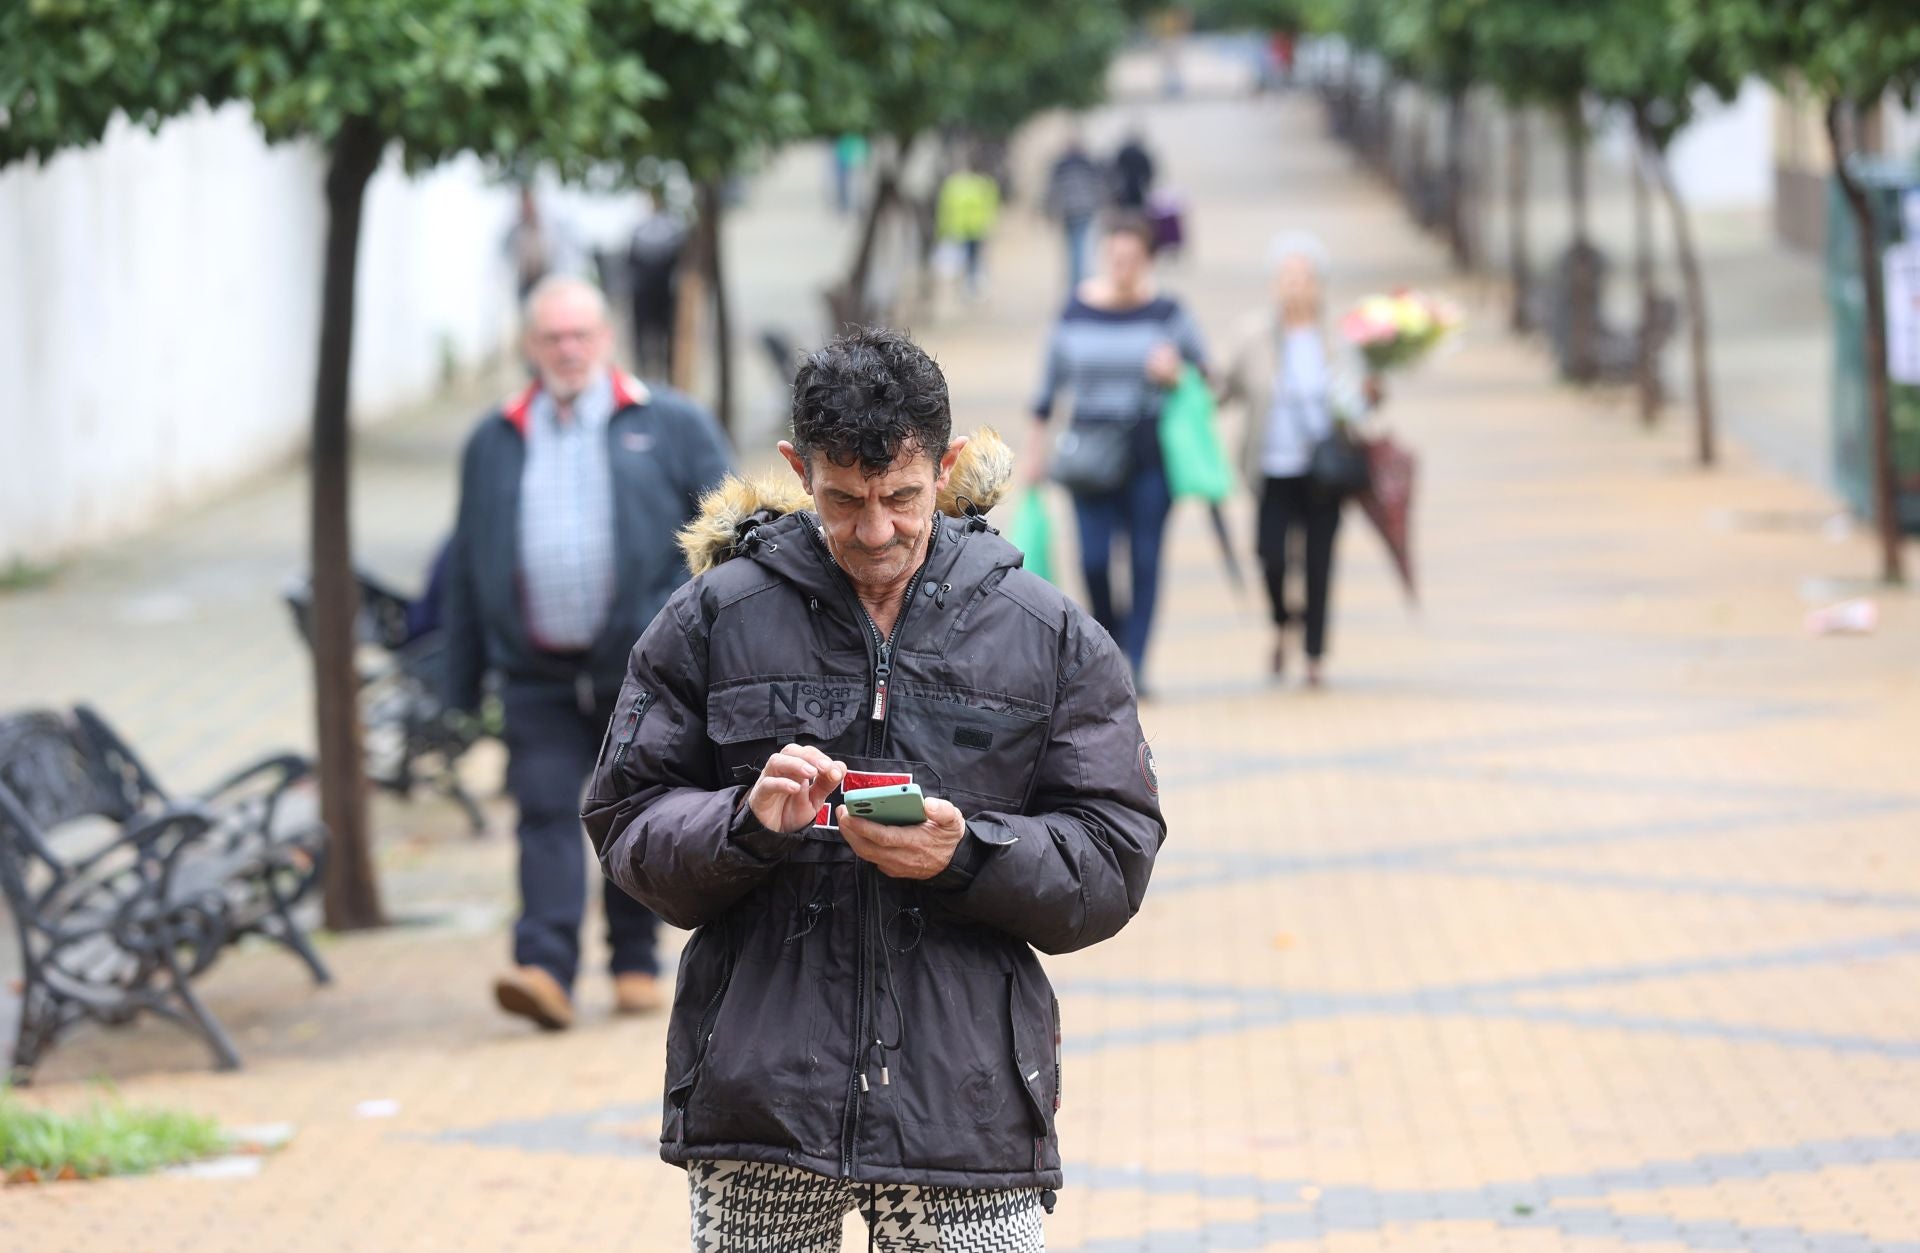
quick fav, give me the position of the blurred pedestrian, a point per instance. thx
(1076, 193)
(1295, 379)
(1116, 349)
(849, 158)
(969, 209)
(861, 1021)
(540, 243)
(1133, 172)
(1276, 58)
(563, 551)
(653, 270)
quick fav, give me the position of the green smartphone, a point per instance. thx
(896, 804)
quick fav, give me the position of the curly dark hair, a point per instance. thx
(865, 396)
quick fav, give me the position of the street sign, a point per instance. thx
(1902, 267)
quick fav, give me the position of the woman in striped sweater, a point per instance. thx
(1116, 349)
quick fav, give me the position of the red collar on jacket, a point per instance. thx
(627, 390)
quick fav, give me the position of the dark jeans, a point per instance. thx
(653, 316)
(972, 250)
(551, 749)
(1286, 506)
(1138, 511)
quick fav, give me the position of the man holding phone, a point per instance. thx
(860, 1020)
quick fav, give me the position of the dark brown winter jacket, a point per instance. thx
(827, 1016)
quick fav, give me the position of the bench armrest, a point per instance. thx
(281, 770)
(139, 863)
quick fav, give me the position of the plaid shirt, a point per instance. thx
(567, 567)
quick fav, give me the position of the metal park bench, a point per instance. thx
(123, 896)
(409, 736)
(1617, 357)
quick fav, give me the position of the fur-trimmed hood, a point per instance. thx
(979, 481)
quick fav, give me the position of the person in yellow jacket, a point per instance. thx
(969, 209)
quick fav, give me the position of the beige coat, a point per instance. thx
(1253, 367)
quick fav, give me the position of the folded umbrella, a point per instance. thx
(1388, 503)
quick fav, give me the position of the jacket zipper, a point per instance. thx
(624, 739)
(876, 743)
(883, 664)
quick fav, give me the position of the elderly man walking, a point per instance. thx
(860, 1020)
(570, 495)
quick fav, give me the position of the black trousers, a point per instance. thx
(552, 745)
(1292, 506)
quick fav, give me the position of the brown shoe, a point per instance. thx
(637, 993)
(533, 993)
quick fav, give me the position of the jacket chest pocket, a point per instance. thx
(987, 745)
(750, 719)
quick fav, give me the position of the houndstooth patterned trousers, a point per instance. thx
(763, 1207)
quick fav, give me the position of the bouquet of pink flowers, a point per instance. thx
(1396, 331)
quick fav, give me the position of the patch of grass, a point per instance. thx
(24, 576)
(108, 1139)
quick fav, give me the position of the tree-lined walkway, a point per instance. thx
(1582, 912)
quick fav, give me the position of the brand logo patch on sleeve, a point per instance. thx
(1147, 771)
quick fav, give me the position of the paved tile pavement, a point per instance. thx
(1582, 912)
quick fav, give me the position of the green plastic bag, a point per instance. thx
(1032, 532)
(1197, 465)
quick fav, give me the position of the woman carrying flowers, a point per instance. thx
(1295, 380)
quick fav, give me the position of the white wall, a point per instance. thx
(159, 309)
(1722, 160)
(1725, 159)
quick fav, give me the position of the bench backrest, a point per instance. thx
(65, 766)
(57, 768)
(381, 620)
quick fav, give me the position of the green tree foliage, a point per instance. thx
(988, 65)
(68, 67)
(1536, 53)
(1853, 51)
(1253, 15)
(510, 80)
(1017, 59)
(1434, 39)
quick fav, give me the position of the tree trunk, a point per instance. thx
(690, 306)
(1383, 129)
(847, 303)
(1519, 262)
(1646, 363)
(352, 892)
(1576, 132)
(712, 210)
(1456, 182)
(1346, 100)
(1583, 263)
(1413, 171)
(1879, 401)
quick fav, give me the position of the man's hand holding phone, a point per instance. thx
(902, 852)
(792, 786)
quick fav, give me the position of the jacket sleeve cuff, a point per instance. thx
(747, 834)
(981, 842)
